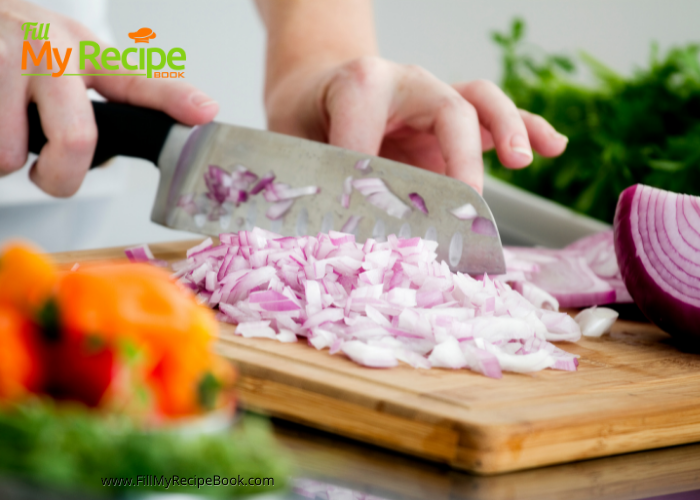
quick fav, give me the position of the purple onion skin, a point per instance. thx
(680, 319)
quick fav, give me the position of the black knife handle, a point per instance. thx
(122, 130)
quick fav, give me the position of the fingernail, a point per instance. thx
(202, 100)
(562, 136)
(519, 144)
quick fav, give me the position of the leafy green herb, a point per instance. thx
(207, 390)
(72, 448)
(641, 129)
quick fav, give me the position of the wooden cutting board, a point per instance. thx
(634, 390)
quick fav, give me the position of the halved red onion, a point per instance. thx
(418, 202)
(377, 303)
(657, 243)
(465, 212)
(377, 193)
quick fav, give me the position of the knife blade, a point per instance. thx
(184, 154)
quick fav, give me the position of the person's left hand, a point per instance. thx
(404, 113)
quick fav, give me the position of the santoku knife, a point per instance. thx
(184, 154)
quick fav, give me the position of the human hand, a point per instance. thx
(66, 113)
(406, 114)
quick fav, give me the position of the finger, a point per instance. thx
(357, 102)
(182, 101)
(498, 114)
(427, 104)
(544, 138)
(69, 125)
(457, 131)
(13, 124)
(487, 143)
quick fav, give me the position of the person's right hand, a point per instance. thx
(66, 113)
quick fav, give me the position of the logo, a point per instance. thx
(110, 60)
(144, 35)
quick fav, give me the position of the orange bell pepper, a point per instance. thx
(27, 278)
(141, 303)
(20, 355)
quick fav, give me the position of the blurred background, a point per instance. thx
(224, 41)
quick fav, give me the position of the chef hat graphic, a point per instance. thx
(143, 35)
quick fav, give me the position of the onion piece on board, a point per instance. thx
(377, 302)
(564, 274)
(596, 321)
(657, 243)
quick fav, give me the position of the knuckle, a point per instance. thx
(365, 70)
(79, 139)
(418, 72)
(454, 102)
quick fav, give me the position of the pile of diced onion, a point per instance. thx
(378, 303)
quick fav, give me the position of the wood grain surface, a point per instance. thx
(634, 390)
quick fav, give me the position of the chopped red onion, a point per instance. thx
(599, 252)
(187, 203)
(377, 193)
(563, 274)
(418, 202)
(347, 192)
(278, 209)
(484, 226)
(278, 191)
(264, 181)
(596, 321)
(583, 274)
(362, 165)
(141, 253)
(378, 303)
(465, 212)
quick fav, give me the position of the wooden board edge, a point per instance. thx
(445, 442)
